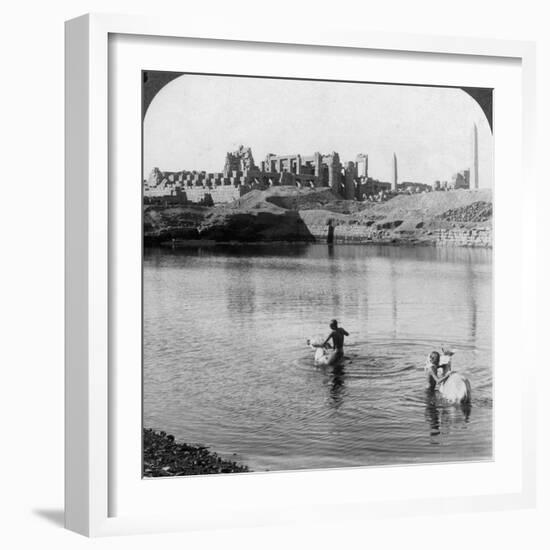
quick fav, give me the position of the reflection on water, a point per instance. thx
(441, 417)
(226, 365)
(337, 385)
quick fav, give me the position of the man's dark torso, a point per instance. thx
(337, 336)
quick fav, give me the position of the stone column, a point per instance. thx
(334, 173)
(362, 165)
(317, 163)
(349, 183)
(394, 181)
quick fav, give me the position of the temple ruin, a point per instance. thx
(241, 175)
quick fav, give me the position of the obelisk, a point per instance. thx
(475, 160)
(394, 182)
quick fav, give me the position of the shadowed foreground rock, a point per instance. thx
(162, 457)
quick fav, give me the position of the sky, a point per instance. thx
(195, 120)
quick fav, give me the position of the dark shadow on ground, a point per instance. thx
(56, 517)
(259, 226)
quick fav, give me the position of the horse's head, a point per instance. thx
(447, 351)
(316, 343)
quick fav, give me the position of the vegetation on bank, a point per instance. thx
(163, 457)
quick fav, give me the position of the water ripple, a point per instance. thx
(226, 362)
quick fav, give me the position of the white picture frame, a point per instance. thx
(90, 398)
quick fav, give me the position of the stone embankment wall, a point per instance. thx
(359, 233)
(482, 237)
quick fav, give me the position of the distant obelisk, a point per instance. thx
(394, 182)
(475, 160)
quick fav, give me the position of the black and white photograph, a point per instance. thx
(317, 274)
(294, 288)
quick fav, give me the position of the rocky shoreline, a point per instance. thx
(453, 218)
(163, 457)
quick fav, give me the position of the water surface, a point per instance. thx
(226, 365)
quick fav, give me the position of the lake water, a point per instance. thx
(226, 362)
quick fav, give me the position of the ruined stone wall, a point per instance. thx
(213, 187)
(199, 194)
(371, 232)
(367, 187)
(219, 194)
(216, 194)
(241, 159)
(465, 237)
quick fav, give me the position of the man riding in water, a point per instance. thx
(337, 337)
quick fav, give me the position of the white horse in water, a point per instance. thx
(323, 355)
(455, 388)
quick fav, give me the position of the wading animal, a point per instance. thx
(456, 389)
(323, 355)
